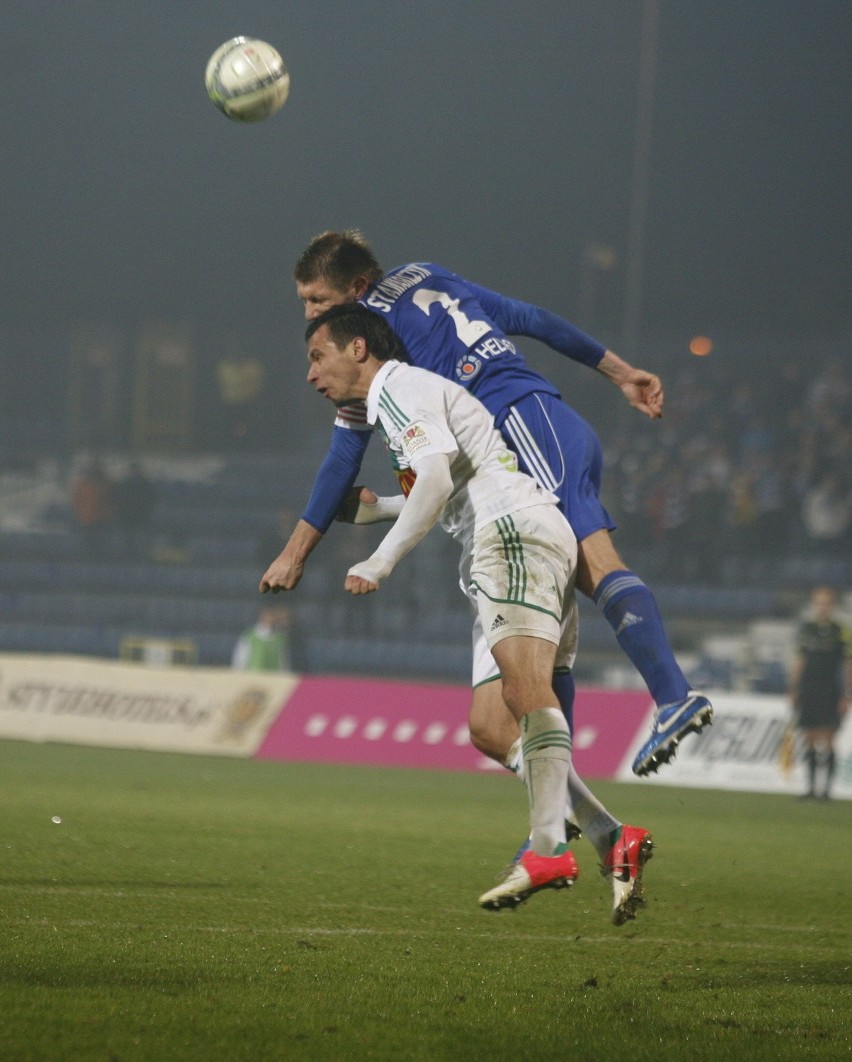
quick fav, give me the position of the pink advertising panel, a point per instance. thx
(397, 724)
(606, 725)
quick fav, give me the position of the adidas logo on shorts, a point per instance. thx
(499, 621)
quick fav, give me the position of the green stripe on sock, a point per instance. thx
(550, 739)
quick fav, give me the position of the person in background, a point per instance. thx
(134, 498)
(827, 515)
(267, 645)
(820, 679)
(92, 505)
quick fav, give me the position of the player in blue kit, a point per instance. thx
(461, 331)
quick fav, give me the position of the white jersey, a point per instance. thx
(419, 414)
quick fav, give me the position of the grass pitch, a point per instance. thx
(195, 908)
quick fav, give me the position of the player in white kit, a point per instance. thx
(518, 553)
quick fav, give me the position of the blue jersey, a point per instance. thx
(460, 331)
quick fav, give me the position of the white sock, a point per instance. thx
(515, 760)
(546, 743)
(592, 817)
(582, 806)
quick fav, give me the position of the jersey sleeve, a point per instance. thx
(424, 438)
(336, 476)
(517, 318)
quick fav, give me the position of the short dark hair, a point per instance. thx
(351, 320)
(338, 258)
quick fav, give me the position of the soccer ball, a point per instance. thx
(247, 79)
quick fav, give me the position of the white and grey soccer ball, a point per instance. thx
(247, 79)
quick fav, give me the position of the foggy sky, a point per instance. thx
(494, 137)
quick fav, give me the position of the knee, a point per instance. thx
(493, 730)
(513, 696)
(597, 557)
(492, 737)
(523, 695)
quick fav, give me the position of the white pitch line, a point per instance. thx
(572, 934)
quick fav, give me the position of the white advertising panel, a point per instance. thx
(748, 748)
(98, 702)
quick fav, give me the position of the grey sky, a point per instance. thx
(494, 137)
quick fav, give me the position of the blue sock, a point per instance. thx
(563, 687)
(631, 611)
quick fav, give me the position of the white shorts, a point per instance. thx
(485, 666)
(521, 582)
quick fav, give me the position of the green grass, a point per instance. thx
(198, 908)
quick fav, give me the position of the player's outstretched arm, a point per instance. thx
(642, 389)
(286, 570)
(334, 480)
(423, 507)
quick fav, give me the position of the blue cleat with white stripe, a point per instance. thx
(671, 724)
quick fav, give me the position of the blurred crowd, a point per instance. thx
(102, 503)
(749, 467)
(738, 469)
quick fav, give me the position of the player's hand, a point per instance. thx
(283, 573)
(366, 577)
(358, 496)
(356, 585)
(644, 391)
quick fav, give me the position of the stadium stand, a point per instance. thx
(198, 583)
(731, 513)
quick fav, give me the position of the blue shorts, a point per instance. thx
(561, 452)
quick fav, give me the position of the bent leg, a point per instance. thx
(526, 667)
(494, 731)
(631, 610)
(493, 728)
